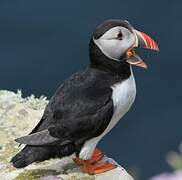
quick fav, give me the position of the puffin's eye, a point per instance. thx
(119, 36)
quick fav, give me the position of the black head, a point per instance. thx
(109, 24)
(115, 40)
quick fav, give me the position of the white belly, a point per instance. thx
(123, 97)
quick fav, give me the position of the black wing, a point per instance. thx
(80, 109)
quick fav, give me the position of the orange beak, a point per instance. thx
(142, 41)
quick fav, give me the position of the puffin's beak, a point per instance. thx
(145, 41)
(142, 41)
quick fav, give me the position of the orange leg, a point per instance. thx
(97, 168)
(97, 156)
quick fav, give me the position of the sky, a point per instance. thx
(43, 42)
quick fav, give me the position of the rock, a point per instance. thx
(17, 117)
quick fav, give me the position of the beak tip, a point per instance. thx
(158, 49)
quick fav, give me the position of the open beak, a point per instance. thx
(142, 41)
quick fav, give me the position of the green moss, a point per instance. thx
(35, 174)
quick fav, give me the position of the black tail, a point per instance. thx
(30, 154)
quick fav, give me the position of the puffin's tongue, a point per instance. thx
(134, 59)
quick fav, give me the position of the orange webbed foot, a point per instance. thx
(97, 156)
(97, 168)
(93, 166)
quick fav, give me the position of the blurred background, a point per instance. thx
(43, 42)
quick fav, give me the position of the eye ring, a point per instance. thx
(119, 36)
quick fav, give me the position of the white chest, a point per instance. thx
(123, 97)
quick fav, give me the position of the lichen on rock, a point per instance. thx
(18, 116)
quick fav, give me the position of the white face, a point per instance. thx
(115, 42)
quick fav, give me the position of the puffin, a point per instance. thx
(90, 102)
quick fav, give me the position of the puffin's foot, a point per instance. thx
(96, 168)
(97, 156)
